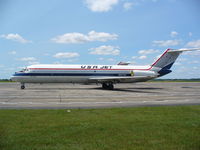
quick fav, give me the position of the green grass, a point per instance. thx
(145, 128)
(6, 80)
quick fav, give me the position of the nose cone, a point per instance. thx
(13, 77)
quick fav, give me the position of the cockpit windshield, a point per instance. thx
(24, 70)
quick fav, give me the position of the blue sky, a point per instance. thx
(98, 32)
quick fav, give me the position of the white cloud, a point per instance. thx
(148, 51)
(111, 59)
(192, 53)
(15, 37)
(66, 55)
(101, 36)
(173, 33)
(75, 37)
(134, 57)
(100, 5)
(33, 62)
(103, 59)
(127, 5)
(70, 38)
(28, 59)
(166, 43)
(105, 50)
(193, 44)
(106, 59)
(142, 57)
(12, 53)
(138, 57)
(72, 60)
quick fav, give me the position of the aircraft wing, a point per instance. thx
(119, 79)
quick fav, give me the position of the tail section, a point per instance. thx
(167, 59)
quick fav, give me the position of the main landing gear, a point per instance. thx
(22, 86)
(108, 86)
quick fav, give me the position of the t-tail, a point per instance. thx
(166, 60)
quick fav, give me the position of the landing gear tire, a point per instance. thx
(104, 86)
(22, 86)
(108, 86)
(111, 86)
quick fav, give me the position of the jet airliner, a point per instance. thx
(107, 75)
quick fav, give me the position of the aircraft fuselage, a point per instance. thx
(80, 73)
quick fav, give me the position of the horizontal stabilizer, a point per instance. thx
(182, 50)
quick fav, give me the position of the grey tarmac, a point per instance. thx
(56, 96)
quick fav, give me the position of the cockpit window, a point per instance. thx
(24, 70)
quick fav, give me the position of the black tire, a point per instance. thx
(22, 87)
(104, 86)
(110, 86)
(107, 86)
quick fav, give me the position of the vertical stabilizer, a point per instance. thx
(167, 59)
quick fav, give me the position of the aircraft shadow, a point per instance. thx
(135, 90)
(49, 89)
(146, 88)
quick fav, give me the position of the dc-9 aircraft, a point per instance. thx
(107, 75)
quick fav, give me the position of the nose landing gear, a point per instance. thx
(22, 86)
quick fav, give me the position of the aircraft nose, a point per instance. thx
(13, 77)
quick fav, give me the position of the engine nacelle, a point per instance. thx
(144, 73)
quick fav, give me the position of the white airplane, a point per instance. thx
(107, 75)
